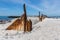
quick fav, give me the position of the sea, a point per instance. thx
(5, 18)
(53, 16)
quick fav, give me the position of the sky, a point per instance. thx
(15, 7)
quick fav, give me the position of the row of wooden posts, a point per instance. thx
(22, 23)
(42, 17)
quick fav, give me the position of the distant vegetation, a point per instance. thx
(13, 16)
(20, 16)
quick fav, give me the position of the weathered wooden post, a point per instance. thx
(39, 16)
(43, 16)
(25, 17)
(30, 25)
(21, 24)
(27, 24)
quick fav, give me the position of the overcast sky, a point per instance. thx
(15, 7)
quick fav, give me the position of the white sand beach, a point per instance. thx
(48, 29)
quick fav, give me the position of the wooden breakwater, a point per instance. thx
(42, 17)
(22, 23)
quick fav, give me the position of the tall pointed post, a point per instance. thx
(39, 16)
(25, 17)
(24, 8)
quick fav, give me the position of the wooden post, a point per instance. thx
(25, 17)
(30, 25)
(24, 8)
(39, 15)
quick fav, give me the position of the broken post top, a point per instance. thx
(24, 8)
(39, 14)
(24, 16)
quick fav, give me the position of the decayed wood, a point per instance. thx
(21, 24)
(42, 17)
(30, 25)
(15, 25)
(39, 16)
